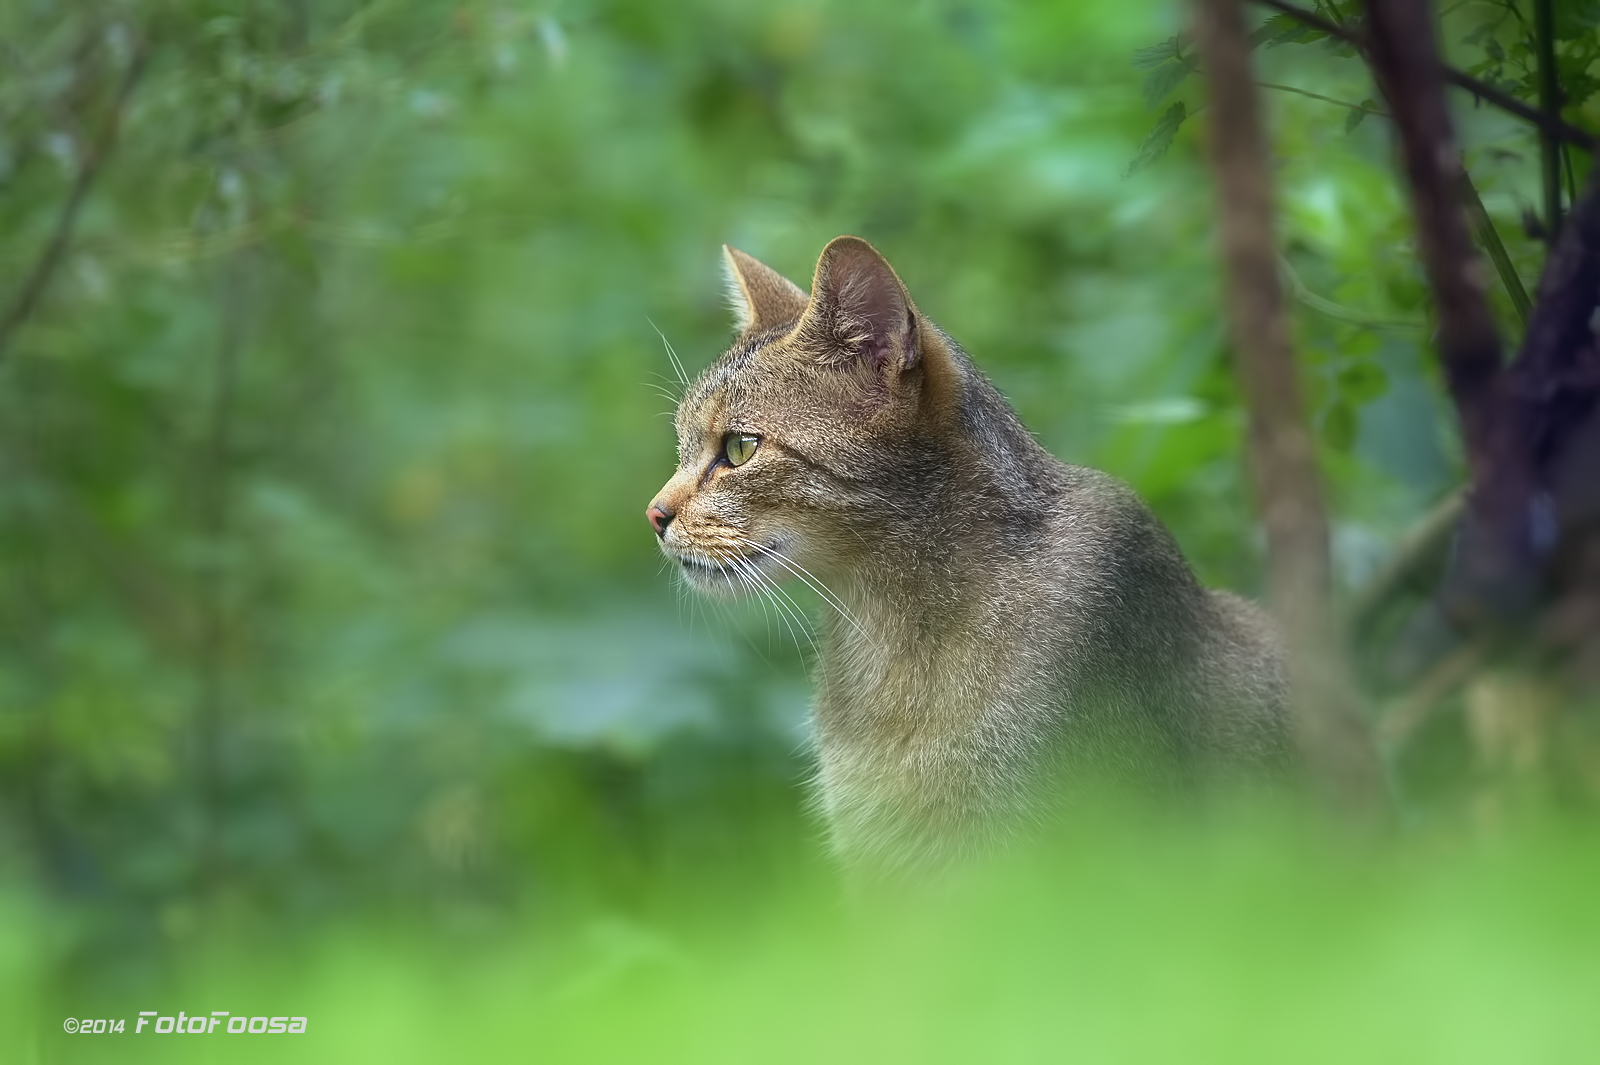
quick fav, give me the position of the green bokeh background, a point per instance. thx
(340, 675)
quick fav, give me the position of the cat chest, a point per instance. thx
(890, 702)
(905, 735)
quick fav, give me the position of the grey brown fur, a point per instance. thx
(1006, 624)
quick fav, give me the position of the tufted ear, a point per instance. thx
(860, 309)
(760, 296)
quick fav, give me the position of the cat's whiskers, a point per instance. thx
(771, 590)
(777, 590)
(755, 591)
(665, 391)
(754, 581)
(795, 612)
(672, 356)
(805, 575)
(764, 588)
(700, 606)
(731, 563)
(813, 582)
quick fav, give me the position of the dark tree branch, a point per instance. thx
(1495, 574)
(44, 267)
(1549, 123)
(1405, 62)
(1328, 725)
(1556, 395)
(1568, 290)
(1555, 381)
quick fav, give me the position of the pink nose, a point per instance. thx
(659, 517)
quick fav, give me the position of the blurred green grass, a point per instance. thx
(1248, 938)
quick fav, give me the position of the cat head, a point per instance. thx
(812, 437)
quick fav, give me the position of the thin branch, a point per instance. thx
(1481, 89)
(1417, 550)
(1325, 99)
(1572, 180)
(1447, 675)
(1482, 224)
(1544, 35)
(1338, 311)
(1489, 237)
(44, 267)
(1329, 729)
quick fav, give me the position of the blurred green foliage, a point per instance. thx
(1256, 942)
(328, 604)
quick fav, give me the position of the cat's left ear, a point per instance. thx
(860, 310)
(760, 296)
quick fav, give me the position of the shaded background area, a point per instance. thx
(325, 590)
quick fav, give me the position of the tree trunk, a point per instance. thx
(1331, 732)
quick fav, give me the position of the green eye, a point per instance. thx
(738, 447)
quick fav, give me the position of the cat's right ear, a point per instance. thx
(860, 312)
(760, 296)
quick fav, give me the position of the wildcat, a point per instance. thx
(999, 624)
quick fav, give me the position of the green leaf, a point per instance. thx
(1353, 118)
(1576, 20)
(1266, 31)
(1153, 56)
(1284, 29)
(1159, 139)
(1339, 427)
(1355, 343)
(1579, 89)
(1160, 82)
(1577, 84)
(1362, 382)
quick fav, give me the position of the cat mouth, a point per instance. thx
(697, 568)
(722, 574)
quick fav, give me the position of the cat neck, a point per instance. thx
(974, 519)
(959, 563)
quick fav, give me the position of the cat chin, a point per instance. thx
(714, 580)
(753, 573)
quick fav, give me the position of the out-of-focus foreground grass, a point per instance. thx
(1240, 940)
